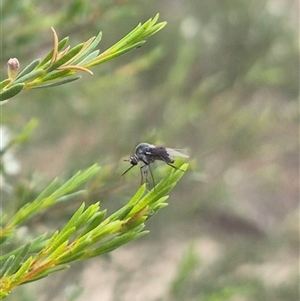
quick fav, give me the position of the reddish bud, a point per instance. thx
(13, 67)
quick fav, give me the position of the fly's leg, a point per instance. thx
(163, 159)
(152, 176)
(144, 176)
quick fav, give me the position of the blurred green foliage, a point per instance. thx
(223, 82)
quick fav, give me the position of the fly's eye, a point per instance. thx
(133, 161)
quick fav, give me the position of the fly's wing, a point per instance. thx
(164, 154)
(159, 153)
(175, 153)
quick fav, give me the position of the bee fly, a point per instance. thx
(148, 153)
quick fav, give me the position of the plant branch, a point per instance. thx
(61, 64)
(87, 234)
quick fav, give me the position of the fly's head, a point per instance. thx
(134, 160)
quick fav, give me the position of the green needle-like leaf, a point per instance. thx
(116, 242)
(138, 195)
(6, 266)
(67, 57)
(97, 219)
(18, 259)
(88, 58)
(61, 238)
(55, 74)
(121, 213)
(58, 250)
(45, 273)
(28, 68)
(4, 83)
(85, 53)
(11, 92)
(22, 270)
(30, 76)
(58, 83)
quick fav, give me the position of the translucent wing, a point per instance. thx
(175, 153)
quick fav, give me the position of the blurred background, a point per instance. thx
(221, 80)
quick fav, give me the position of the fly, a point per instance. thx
(148, 153)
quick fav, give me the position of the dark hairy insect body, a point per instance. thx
(149, 153)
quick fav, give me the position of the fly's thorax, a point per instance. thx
(143, 148)
(145, 159)
(142, 152)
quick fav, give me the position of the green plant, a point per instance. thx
(89, 232)
(60, 65)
